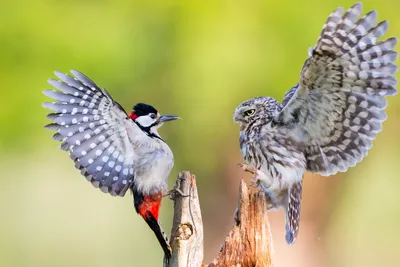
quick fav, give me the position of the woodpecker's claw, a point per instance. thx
(176, 191)
(171, 193)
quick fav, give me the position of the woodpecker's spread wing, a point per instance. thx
(94, 129)
(337, 109)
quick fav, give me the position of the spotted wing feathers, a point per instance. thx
(338, 107)
(93, 128)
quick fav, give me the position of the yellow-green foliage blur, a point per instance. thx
(198, 60)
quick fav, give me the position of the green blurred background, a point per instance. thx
(199, 60)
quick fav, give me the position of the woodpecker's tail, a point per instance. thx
(160, 234)
(148, 207)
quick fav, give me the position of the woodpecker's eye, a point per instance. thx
(152, 115)
(249, 112)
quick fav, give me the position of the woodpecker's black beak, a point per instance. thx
(164, 118)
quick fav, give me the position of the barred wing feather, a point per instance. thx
(338, 106)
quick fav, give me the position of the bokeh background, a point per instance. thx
(199, 60)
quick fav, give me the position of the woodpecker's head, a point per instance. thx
(148, 118)
(259, 109)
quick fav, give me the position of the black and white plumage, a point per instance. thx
(326, 123)
(113, 150)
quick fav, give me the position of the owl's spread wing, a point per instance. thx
(94, 129)
(289, 94)
(338, 106)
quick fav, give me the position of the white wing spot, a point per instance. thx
(72, 101)
(85, 119)
(83, 153)
(90, 161)
(125, 171)
(93, 145)
(77, 142)
(111, 149)
(105, 158)
(99, 152)
(363, 114)
(98, 168)
(111, 164)
(81, 129)
(74, 121)
(106, 174)
(85, 111)
(115, 178)
(124, 181)
(102, 138)
(364, 104)
(118, 168)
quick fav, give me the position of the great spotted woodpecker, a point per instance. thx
(114, 150)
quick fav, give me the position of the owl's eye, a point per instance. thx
(153, 116)
(249, 112)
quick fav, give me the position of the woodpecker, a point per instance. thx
(326, 122)
(114, 150)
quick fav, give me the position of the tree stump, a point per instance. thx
(248, 244)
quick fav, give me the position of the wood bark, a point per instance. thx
(248, 244)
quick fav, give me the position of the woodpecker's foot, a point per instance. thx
(176, 191)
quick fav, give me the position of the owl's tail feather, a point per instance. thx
(293, 213)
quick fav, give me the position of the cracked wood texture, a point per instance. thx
(187, 227)
(249, 243)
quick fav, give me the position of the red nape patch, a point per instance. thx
(150, 204)
(133, 115)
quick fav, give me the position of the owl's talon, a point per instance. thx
(247, 168)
